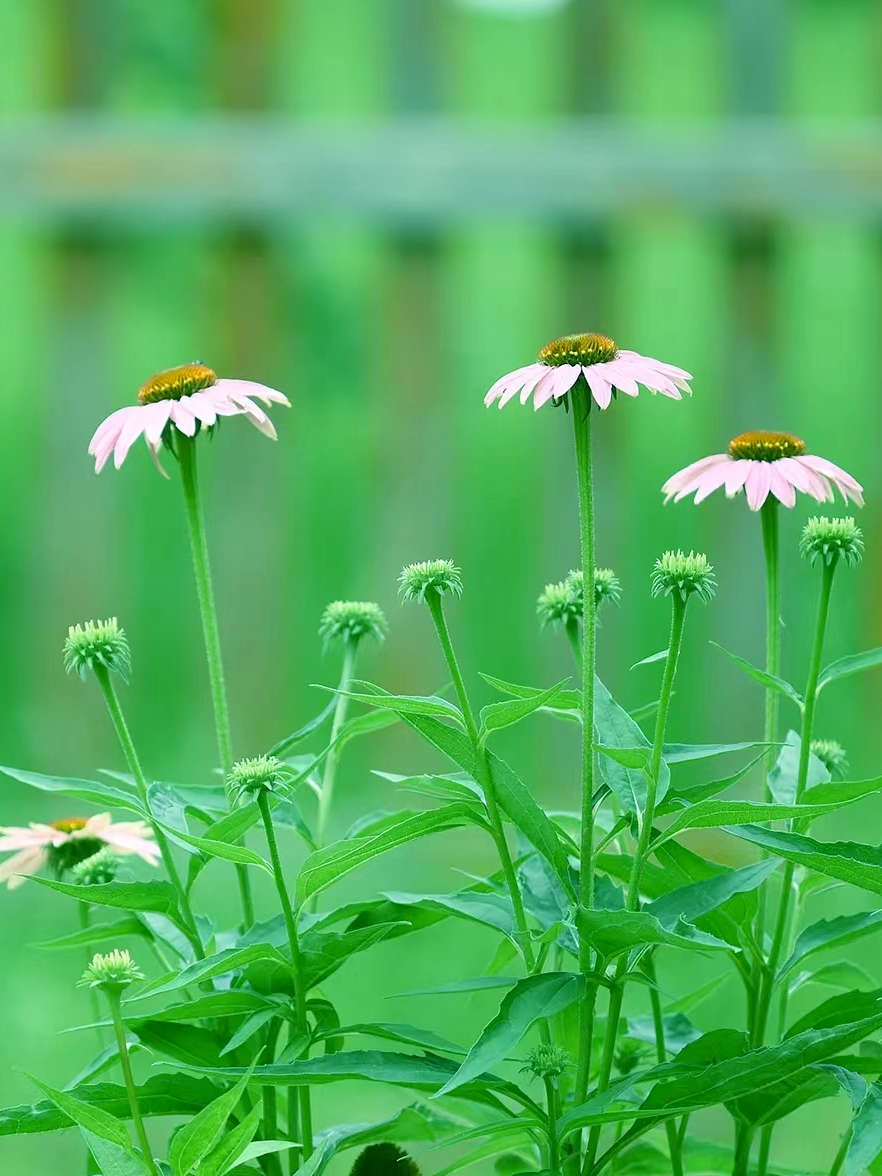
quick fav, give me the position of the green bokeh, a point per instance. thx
(385, 336)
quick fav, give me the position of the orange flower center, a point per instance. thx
(69, 824)
(762, 446)
(578, 349)
(177, 382)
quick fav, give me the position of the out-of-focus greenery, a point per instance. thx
(385, 337)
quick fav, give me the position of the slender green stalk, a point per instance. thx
(485, 778)
(123, 734)
(771, 552)
(808, 721)
(113, 999)
(641, 853)
(743, 1143)
(581, 406)
(574, 637)
(839, 1158)
(186, 452)
(270, 1105)
(675, 1148)
(350, 649)
(85, 921)
(553, 1111)
(296, 966)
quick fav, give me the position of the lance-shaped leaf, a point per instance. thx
(866, 1133)
(197, 1138)
(84, 1114)
(332, 862)
(855, 663)
(768, 680)
(611, 933)
(713, 814)
(849, 861)
(323, 952)
(505, 714)
(680, 753)
(222, 849)
(403, 704)
(220, 964)
(691, 902)
(616, 729)
(93, 791)
(775, 1102)
(842, 1009)
(680, 798)
(539, 996)
(98, 933)
(113, 1160)
(485, 907)
(159, 897)
(831, 933)
(285, 745)
(564, 700)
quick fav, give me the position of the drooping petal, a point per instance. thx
(109, 426)
(780, 485)
(710, 480)
(26, 862)
(126, 841)
(563, 379)
(678, 483)
(523, 385)
(182, 416)
(758, 483)
(844, 482)
(601, 389)
(18, 838)
(805, 479)
(133, 427)
(619, 376)
(155, 418)
(736, 476)
(251, 388)
(509, 380)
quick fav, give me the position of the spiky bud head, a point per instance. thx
(384, 1159)
(248, 777)
(96, 870)
(629, 1055)
(679, 574)
(830, 539)
(832, 756)
(546, 1061)
(562, 603)
(112, 972)
(431, 577)
(97, 643)
(350, 620)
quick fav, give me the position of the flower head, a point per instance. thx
(677, 573)
(96, 870)
(547, 1061)
(832, 756)
(593, 362)
(186, 399)
(828, 539)
(761, 464)
(384, 1159)
(63, 844)
(417, 580)
(97, 643)
(350, 620)
(115, 971)
(262, 774)
(562, 603)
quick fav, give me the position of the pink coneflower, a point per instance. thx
(761, 464)
(65, 843)
(605, 369)
(186, 397)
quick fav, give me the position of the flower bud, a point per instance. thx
(546, 1061)
(350, 620)
(97, 643)
(251, 776)
(828, 539)
(684, 575)
(112, 972)
(563, 602)
(629, 1055)
(832, 756)
(418, 580)
(96, 870)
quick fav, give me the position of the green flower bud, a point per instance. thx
(563, 602)
(684, 575)
(828, 539)
(384, 1159)
(350, 620)
(249, 776)
(97, 643)
(96, 870)
(417, 580)
(832, 756)
(629, 1055)
(115, 972)
(547, 1061)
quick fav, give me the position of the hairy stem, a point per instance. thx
(675, 1148)
(551, 1106)
(113, 999)
(296, 965)
(771, 553)
(350, 649)
(186, 451)
(123, 734)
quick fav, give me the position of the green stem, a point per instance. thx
(574, 636)
(581, 406)
(123, 734)
(485, 778)
(113, 999)
(551, 1106)
(661, 1053)
(296, 965)
(186, 452)
(808, 721)
(743, 1143)
(772, 558)
(270, 1104)
(350, 649)
(85, 921)
(839, 1158)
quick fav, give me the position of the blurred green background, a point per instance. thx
(378, 206)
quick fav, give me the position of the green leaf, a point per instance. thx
(713, 814)
(679, 798)
(94, 1119)
(401, 1034)
(866, 1133)
(331, 863)
(486, 907)
(783, 776)
(197, 1138)
(504, 714)
(97, 933)
(479, 984)
(231, 1145)
(854, 664)
(679, 753)
(566, 699)
(841, 974)
(285, 745)
(93, 791)
(611, 933)
(651, 659)
(169, 810)
(234, 1002)
(538, 996)
(768, 680)
(405, 704)
(111, 1158)
(849, 861)
(831, 933)
(223, 849)
(158, 896)
(775, 1102)
(615, 728)
(262, 1147)
(220, 964)
(842, 1009)
(323, 952)
(192, 1044)
(691, 902)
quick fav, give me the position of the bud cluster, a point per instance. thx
(563, 602)
(97, 869)
(546, 1061)
(114, 971)
(97, 643)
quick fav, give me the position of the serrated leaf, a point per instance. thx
(158, 896)
(543, 995)
(97, 933)
(220, 964)
(855, 663)
(223, 849)
(111, 1158)
(323, 952)
(866, 1133)
(849, 861)
(98, 1121)
(93, 791)
(611, 933)
(829, 933)
(192, 1143)
(842, 1009)
(404, 704)
(698, 898)
(497, 715)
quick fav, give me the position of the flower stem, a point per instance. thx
(186, 452)
(296, 966)
(551, 1107)
(808, 721)
(350, 649)
(113, 999)
(123, 734)
(485, 778)
(581, 406)
(85, 922)
(674, 1143)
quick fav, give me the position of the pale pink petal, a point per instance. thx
(28, 861)
(545, 384)
(758, 483)
(668, 368)
(524, 386)
(805, 479)
(95, 826)
(154, 456)
(780, 485)
(203, 408)
(710, 480)
(251, 388)
(182, 416)
(256, 415)
(129, 843)
(677, 482)
(110, 426)
(736, 476)
(844, 483)
(619, 376)
(510, 379)
(17, 838)
(155, 419)
(133, 427)
(601, 389)
(562, 380)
